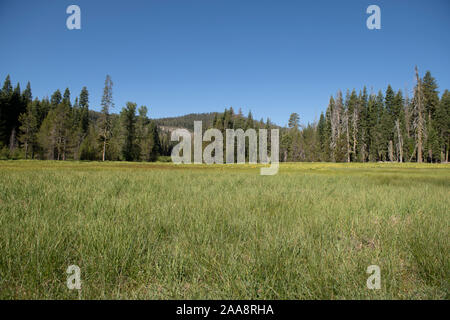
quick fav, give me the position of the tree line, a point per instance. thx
(391, 127)
(56, 129)
(357, 127)
(365, 127)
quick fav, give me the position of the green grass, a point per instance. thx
(162, 231)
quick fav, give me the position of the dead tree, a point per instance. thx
(355, 131)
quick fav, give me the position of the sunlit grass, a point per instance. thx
(159, 230)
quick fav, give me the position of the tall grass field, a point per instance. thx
(166, 231)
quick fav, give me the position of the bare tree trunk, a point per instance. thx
(348, 139)
(355, 132)
(391, 151)
(446, 156)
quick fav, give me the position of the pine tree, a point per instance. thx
(419, 117)
(105, 121)
(84, 110)
(63, 127)
(66, 97)
(443, 126)
(430, 95)
(156, 144)
(89, 147)
(239, 121)
(372, 122)
(322, 138)
(17, 106)
(55, 135)
(5, 111)
(47, 135)
(42, 110)
(430, 104)
(28, 128)
(381, 128)
(142, 134)
(249, 124)
(294, 121)
(27, 96)
(130, 148)
(399, 126)
(295, 151)
(55, 99)
(114, 148)
(388, 124)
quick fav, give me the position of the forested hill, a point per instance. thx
(208, 120)
(187, 121)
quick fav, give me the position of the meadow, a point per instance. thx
(165, 231)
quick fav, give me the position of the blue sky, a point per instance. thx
(178, 57)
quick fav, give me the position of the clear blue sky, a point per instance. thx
(178, 57)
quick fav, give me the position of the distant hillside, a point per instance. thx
(187, 121)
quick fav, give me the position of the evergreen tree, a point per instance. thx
(430, 95)
(239, 122)
(89, 147)
(419, 117)
(381, 128)
(27, 95)
(294, 121)
(364, 127)
(28, 128)
(5, 111)
(388, 124)
(84, 110)
(142, 133)
(430, 103)
(105, 121)
(400, 134)
(321, 131)
(362, 132)
(156, 144)
(295, 151)
(443, 126)
(66, 97)
(55, 99)
(17, 106)
(130, 148)
(249, 123)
